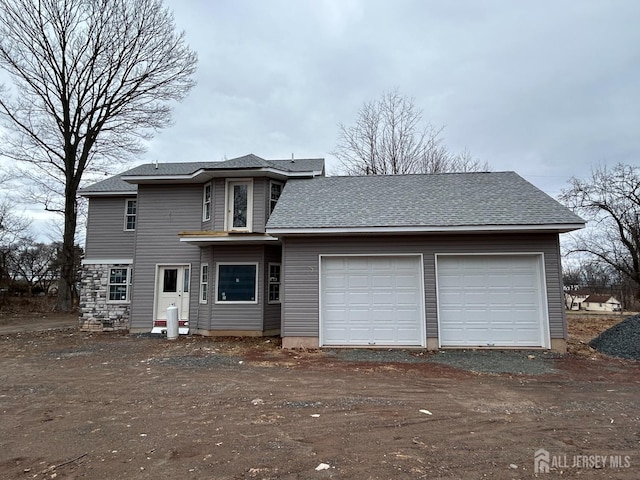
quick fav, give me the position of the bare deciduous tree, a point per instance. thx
(92, 79)
(34, 263)
(610, 199)
(388, 138)
(13, 227)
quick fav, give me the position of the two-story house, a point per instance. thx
(188, 234)
(253, 247)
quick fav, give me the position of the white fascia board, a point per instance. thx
(212, 173)
(236, 239)
(108, 261)
(119, 193)
(420, 229)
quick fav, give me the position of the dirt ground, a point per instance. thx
(111, 406)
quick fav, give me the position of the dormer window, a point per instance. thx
(239, 205)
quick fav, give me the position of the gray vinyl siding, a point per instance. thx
(203, 310)
(260, 189)
(553, 270)
(163, 212)
(300, 315)
(237, 316)
(272, 311)
(106, 237)
(219, 197)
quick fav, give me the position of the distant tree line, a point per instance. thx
(27, 267)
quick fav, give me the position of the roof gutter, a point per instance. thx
(559, 228)
(123, 193)
(215, 172)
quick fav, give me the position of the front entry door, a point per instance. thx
(172, 288)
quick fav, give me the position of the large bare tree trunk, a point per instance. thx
(67, 254)
(91, 79)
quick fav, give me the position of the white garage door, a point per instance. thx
(491, 300)
(372, 300)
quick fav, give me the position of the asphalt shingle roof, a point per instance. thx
(438, 200)
(597, 298)
(110, 185)
(116, 184)
(245, 162)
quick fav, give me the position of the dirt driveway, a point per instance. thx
(107, 406)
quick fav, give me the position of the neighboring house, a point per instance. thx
(573, 299)
(601, 303)
(256, 247)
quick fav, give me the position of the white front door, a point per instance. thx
(172, 288)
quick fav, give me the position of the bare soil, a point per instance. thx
(109, 406)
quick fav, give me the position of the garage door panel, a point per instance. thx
(489, 300)
(338, 281)
(383, 300)
(382, 280)
(406, 298)
(334, 298)
(357, 298)
(357, 281)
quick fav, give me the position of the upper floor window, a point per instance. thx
(206, 202)
(239, 205)
(274, 195)
(130, 213)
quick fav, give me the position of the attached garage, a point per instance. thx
(492, 301)
(369, 300)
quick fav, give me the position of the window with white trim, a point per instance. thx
(237, 283)
(275, 189)
(119, 284)
(206, 202)
(274, 283)
(204, 283)
(239, 205)
(130, 214)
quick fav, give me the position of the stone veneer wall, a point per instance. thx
(96, 313)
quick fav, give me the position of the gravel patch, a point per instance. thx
(621, 340)
(524, 362)
(521, 362)
(378, 356)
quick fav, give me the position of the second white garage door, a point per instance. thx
(491, 300)
(372, 301)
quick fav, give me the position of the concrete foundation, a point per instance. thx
(308, 343)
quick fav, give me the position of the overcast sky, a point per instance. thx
(545, 88)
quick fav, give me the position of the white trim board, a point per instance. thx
(426, 229)
(108, 261)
